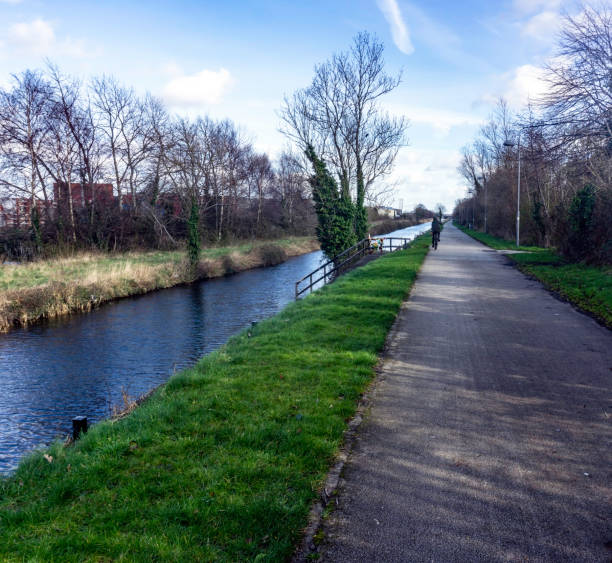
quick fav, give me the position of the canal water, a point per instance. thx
(82, 364)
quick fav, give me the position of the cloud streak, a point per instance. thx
(399, 30)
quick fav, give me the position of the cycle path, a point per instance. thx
(489, 435)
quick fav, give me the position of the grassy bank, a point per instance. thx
(223, 462)
(587, 287)
(33, 291)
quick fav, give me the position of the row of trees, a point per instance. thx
(96, 164)
(60, 139)
(564, 147)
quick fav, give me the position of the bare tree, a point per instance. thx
(580, 78)
(292, 185)
(339, 114)
(122, 119)
(23, 134)
(76, 115)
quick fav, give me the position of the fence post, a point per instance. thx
(79, 424)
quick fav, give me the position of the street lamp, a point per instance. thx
(518, 191)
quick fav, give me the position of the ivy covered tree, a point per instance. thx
(581, 222)
(341, 116)
(335, 210)
(193, 234)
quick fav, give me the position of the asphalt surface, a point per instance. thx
(489, 437)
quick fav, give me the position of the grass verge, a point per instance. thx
(46, 289)
(587, 287)
(223, 462)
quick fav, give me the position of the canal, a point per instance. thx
(84, 364)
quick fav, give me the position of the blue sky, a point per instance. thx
(237, 59)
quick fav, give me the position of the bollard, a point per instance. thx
(79, 424)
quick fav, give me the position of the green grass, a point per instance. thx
(587, 287)
(496, 242)
(224, 461)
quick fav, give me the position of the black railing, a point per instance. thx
(343, 261)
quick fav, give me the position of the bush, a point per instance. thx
(272, 254)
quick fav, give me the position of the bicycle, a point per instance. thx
(435, 239)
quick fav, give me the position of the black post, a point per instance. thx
(79, 424)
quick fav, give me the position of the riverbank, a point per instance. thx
(589, 288)
(224, 461)
(41, 290)
(386, 226)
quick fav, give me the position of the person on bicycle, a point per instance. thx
(435, 232)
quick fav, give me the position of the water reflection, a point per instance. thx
(80, 365)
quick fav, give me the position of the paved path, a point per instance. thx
(489, 437)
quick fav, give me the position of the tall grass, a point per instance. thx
(223, 462)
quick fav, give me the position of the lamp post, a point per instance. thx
(518, 190)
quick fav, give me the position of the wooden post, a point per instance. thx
(79, 424)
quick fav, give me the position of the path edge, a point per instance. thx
(329, 492)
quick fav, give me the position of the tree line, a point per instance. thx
(95, 164)
(559, 149)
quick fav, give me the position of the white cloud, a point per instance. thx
(440, 119)
(526, 84)
(519, 86)
(171, 69)
(35, 37)
(531, 6)
(428, 176)
(399, 30)
(543, 26)
(38, 38)
(204, 87)
(10, 1)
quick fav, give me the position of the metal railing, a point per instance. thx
(343, 261)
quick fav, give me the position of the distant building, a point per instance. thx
(390, 212)
(82, 194)
(17, 212)
(22, 212)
